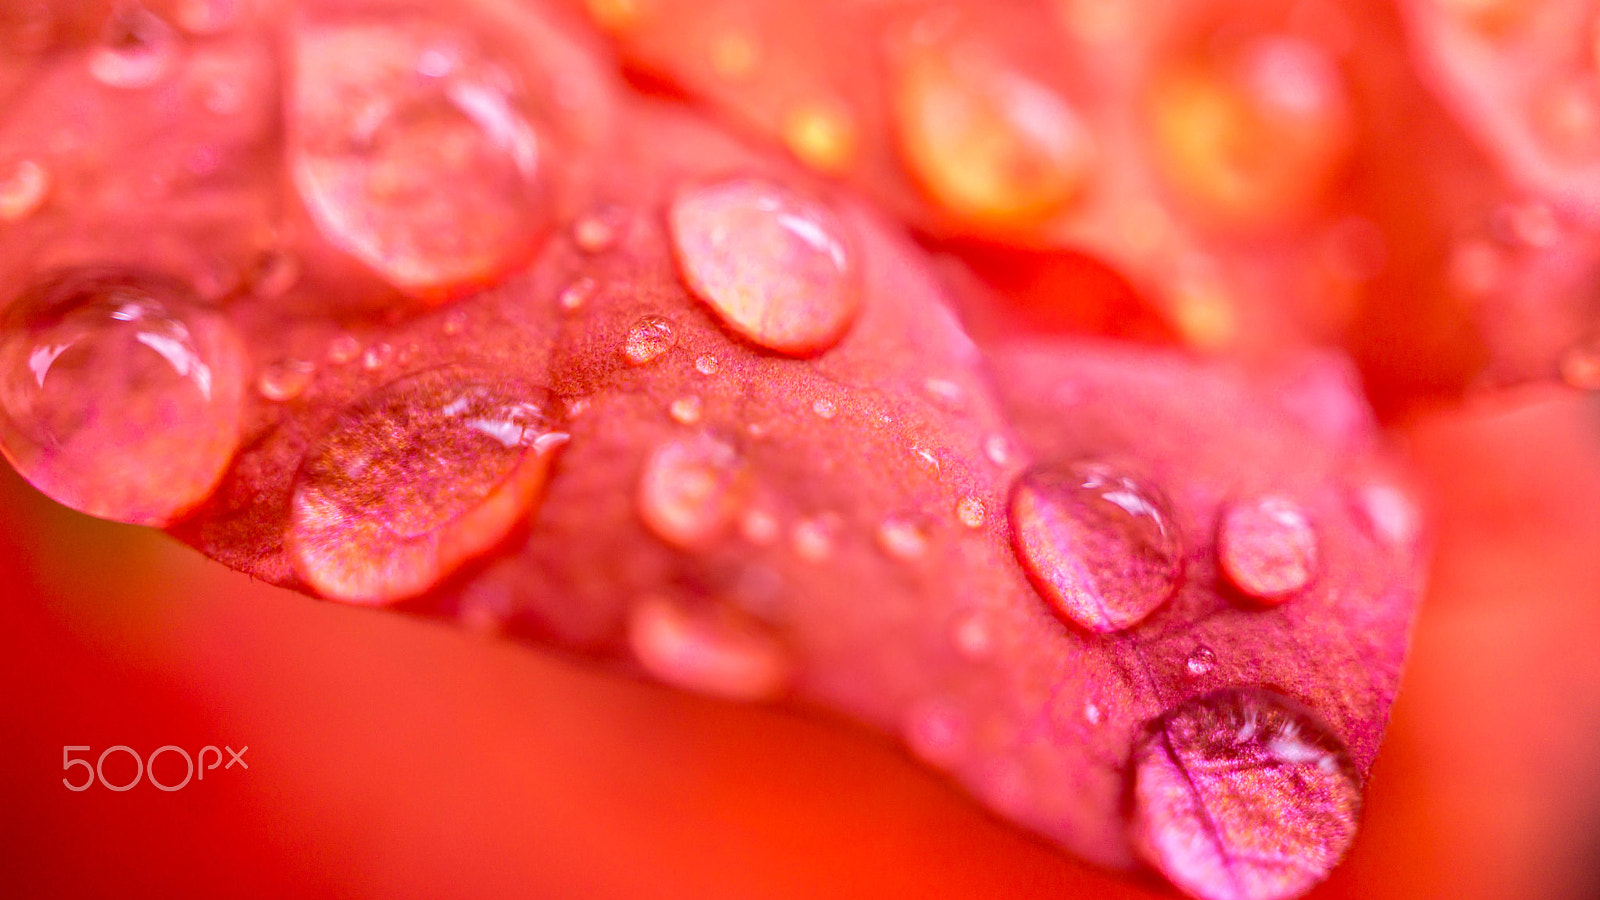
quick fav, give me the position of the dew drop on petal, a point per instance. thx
(285, 379)
(685, 410)
(813, 540)
(773, 265)
(647, 339)
(1580, 365)
(575, 295)
(824, 408)
(433, 175)
(377, 356)
(275, 273)
(23, 190)
(1201, 661)
(455, 322)
(710, 651)
(759, 527)
(997, 449)
(971, 512)
(1241, 795)
(691, 489)
(936, 732)
(416, 479)
(821, 134)
(902, 538)
(1092, 713)
(1392, 514)
(1097, 543)
(706, 365)
(596, 231)
(972, 635)
(120, 396)
(343, 349)
(1267, 548)
(136, 51)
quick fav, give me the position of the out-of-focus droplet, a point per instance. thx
(1097, 543)
(1201, 661)
(136, 51)
(377, 356)
(973, 635)
(1267, 548)
(685, 410)
(759, 527)
(775, 266)
(733, 55)
(1092, 712)
(575, 295)
(647, 339)
(970, 512)
(936, 731)
(423, 165)
(120, 396)
(813, 539)
(824, 408)
(902, 538)
(343, 349)
(416, 479)
(207, 16)
(706, 364)
(1580, 365)
(616, 15)
(455, 322)
(1392, 514)
(1240, 795)
(275, 273)
(821, 134)
(710, 651)
(988, 143)
(596, 231)
(285, 379)
(1254, 136)
(691, 489)
(23, 190)
(997, 449)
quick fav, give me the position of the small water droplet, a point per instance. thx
(972, 635)
(436, 183)
(690, 490)
(926, 460)
(1092, 713)
(575, 295)
(759, 527)
(417, 478)
(949, 394)
(824, 408)
(706, 365)
(971, 512)
(275, 273)
(821, 134)
(23, 190)
(377, 356)
(936, 732)
(987, 142)
(343, 349)
(648, 338)
(137, 50)
(685, 410)
(1098, 544)
(1241, 795)
(1267, 548)
(710, 651)
(997, 449)
(902, 538)
(1392, 514)
(596, 231)
(772, 264)
(120, 396)
(1580, 365)
(1201, 661)
(733, 55)
(455, 322)
(285, 379)
(813, 540)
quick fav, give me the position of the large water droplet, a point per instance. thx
(710, 651)
(119, 396)
(1267, 548)
(774, 265)
(416, 479)
(420, 162)
(1239, 795)
(137, 50)
(986, 141)
(1097, 543)
(691, 490)
(1201, 661)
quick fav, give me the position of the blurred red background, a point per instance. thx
(391, 757)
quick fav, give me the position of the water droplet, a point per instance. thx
(1267, 548)
(824, 408)
(1098, 544)
(416, 479)
(1092, 713)
(275, 273)
(1201, 661)
(1392, 514)
(971, 512)
(813, 540)
(120, 396)
(596, 231)
(343, 349)
(691, 490)
(377, 356)
(436, 183)
(821, 134)
(1580, 365)
(997, 449)
(902, 538)
(285, 379)
(137, 50)
(972, 635)
(706, 365)
(710, 651)
(207, 16)
(1240, 795)
(733, 55)
(575, 295)
(772, 264)
(926, 460)
(685, 410)
(455, 322)
(23, 190)
(949, 394)
(987, 142)
(759, 527)
(648, 338)
(936, 732)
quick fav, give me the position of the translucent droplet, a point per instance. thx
(949, 394)
(1201, 661)
(596, 231)
(902, 538)
(377, 356)
(1580, 365)
(455, 322)
(575, 295)
(997, 449)
(120, 396)
(821, 134)
(1098, 544)
(435, 182)
(1392, 514)
(813, 540)
(774, 265)
(733, 55)
(759, 527)
(690, 490)
(343, 349)
(23, 190)
(987, 142)
(710, 651)
(685, 410)
(416, 479)
(1267, 548)
(137, 50)
(706, 365)
(1240, 795)
(936, 732)
(1092, 713)
(275, 273)
(285, 379)
(647, 339)
(972, 635)
(971, 512)
(824, 408)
